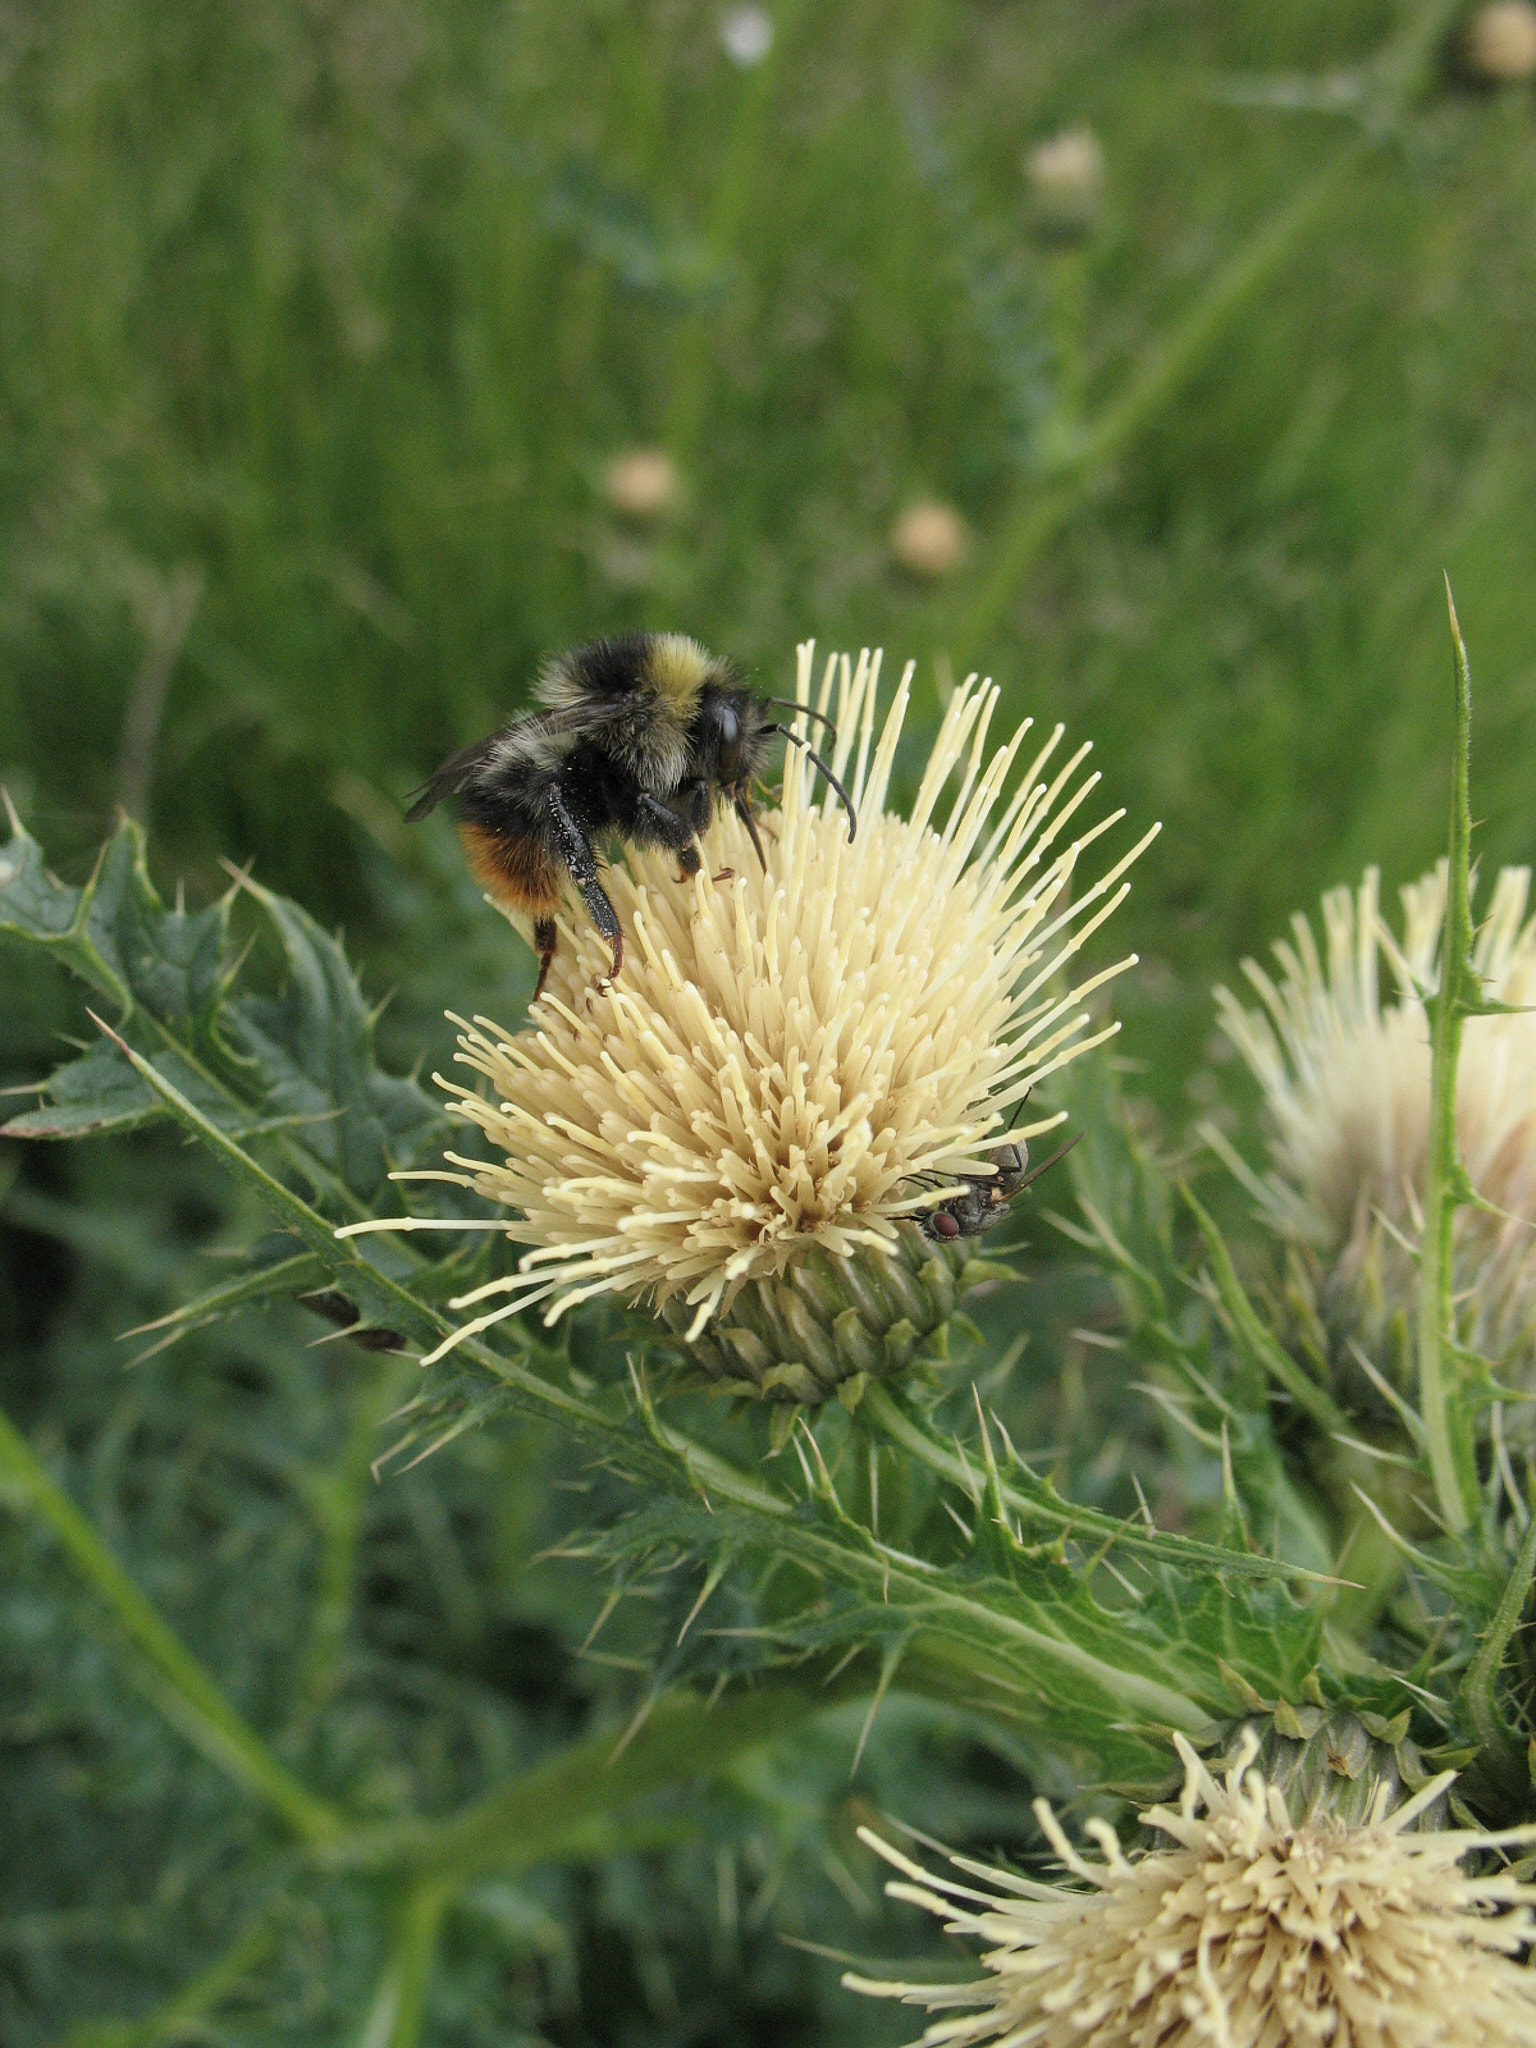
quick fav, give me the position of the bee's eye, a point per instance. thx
(729, 725)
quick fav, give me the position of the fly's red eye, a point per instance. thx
(945, 1225)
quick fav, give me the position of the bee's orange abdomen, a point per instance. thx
(518, 874)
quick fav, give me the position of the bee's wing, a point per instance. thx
(540, 739)
(451, 777)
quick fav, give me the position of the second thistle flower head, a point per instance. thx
(797, 1058)
(1345, 1070)
(1257, 1927)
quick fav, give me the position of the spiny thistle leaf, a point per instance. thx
(299, 1063)
(1030, 1635)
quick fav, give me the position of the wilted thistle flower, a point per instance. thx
(1254, 1931)
(641, 483)
(1346, 1078)
(1499, 42)
(794, 1061)
(930, 540)
(1065, 176)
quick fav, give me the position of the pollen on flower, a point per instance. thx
(795, 1059)
(1253, 1930)
(1345, 1075)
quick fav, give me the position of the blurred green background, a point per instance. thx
(323, 324)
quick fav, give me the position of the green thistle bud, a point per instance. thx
(830, 1325)
(1330, 1761)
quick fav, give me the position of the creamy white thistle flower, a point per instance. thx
(1345, 1076)
(1253, 1931)
(785, 1051)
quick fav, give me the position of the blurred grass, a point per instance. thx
(340, 310)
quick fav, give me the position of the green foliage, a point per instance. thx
(318, 330)
(314, 1036)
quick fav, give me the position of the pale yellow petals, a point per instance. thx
(1252, 1932)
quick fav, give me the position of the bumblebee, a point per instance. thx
(638, 737)
(987, 1196)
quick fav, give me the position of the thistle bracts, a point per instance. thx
(831, 1325)
(1330, 1760)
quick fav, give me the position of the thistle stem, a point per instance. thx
(400, 2002)
(567, 1806)
(1443, 1172)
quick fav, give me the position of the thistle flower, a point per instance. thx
(1345, 1077)
(1253, 1931)
(641, 483)
(795, 1060)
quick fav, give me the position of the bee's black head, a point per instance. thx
(733, 735)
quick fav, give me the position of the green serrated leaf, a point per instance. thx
(282, 1280)
(96, 1093)
(299, 1063)
(309, 1052)
(115, 933)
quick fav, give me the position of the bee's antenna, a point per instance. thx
(805, 711)
(1045, 1165)
(824, 772)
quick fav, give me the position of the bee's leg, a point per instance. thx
(576, 851)
(544, 939)
(656, 824)
(606, 918)
(744, 812)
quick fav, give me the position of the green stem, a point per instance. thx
(1478, 1699)
(880, 1407)
(400, 2003)
(1034, 1642)
(560, 1808)
(174, 1679)
(1259, 1343)
(1039, 519)
(339, 1498)
(1435, 1307)
(740, 177)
